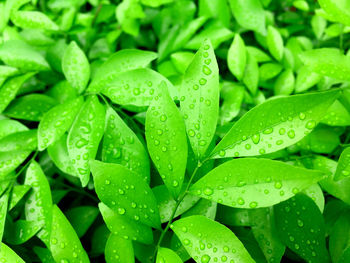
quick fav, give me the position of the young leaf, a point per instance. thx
(81, 218)
(135, 87)
(23, 140)
(167, 142)
(121, 61)
(119, 249)
(265, 233)
(274, 43)
(337, 115)
(4, 201)
(202, 207)
(339, 240)
(30, 107)
(21, 231)
(84, 137)
(133, 198)
(10, 88)
(8, 255)
(200, 98)
(17, 53)
(306, 79)
(253, 183)
(251, 74)
(33, 19)
(275, 124)
(236, 57)
(284, 84)
(205, 239)
(337, 10)
(57, 121)
(122, 146)
(124, 227)
(249, 14)
(10, 126)
(18, 191)
(167, 255)
(76, 67)
(38, 206)
(343, 167)
(300, 226)
(232, 95)
(9, 161)
(63, 233)
(328, 62)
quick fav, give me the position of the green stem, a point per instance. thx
(96, 14)
(178, 202)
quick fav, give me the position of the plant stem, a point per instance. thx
(178, 202)
(96, 14)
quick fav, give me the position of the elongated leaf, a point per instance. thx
(123, 227)
(63, 233)
(232, 96)
(265, 233)
(328, 62)
(251, 75)
(253, 183)
(135, 87)
(38, 206)
(122, 146)
(339, 238)
(3, 212)
(166, 203)
(9, 161)
(274, 43)
(249, 14)
(205, 239)
(284, 84)
(119, 249)
(84, 137)
(44, 254)
(166, 142)
(203, 207)
(338, 10)
(23, 140)
(76, 67)
(18, 191)
(81, 218)
(10, 126)
(57, 121)
(200, 98)
(33, 19)
(300, 226)
(121, 61)
(306, 79)
(30, 107)
(275, 124)
(337, 115)
(236, 57)
(124, 192)
(167, 255)
(8, 255)
(17, 53)
(343, 167)
(10, 88)
(21, 231)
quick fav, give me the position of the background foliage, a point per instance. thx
(174, 131)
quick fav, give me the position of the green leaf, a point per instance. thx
(64, 242)
(205, 239)
(269, 70)
(265, 233)
(343, 167)
(253, 183)
(251, 74)
(81, 218)
(202, 207)
(232, 95)
(10, 88)
(33, 19)
(122, 61)
(200, 98)
(124, 227)
(339, 240)
(135, 87)
(76, 67)
(17, 53)
(167, 204)
(167, 142)
(284, 84)
(4, 201)
(275, 124)
(21, 231)
(8, 126)
(44, 254)
(9, 161)
(338, 10)
(84, 137)
(128, 14)
(300, 226)
(38, 206)
(237, 57)
(23, 140)
(337, 115)
(133, 198)
(155, 3)
(306, 79)
(316, 194)
(122, 146)
(166, 255)
(57, 121)
(8, 255)
(119, 250)
(274, 43)
(318, 24)
(30, 107)
(328, 62)
(249, 14)
(18, 191)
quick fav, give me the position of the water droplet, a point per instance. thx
(202, 81)
(278, 185)
(136, 91)
(302, 116)
(163, 118)
(310, 124)
(205, 258)
(256, 138)
(175, 183)
(206, 70)
(121, 211)
(253, 204)
(240, 201)
(291, 134)
(222, 153)
(282, 131)
(208, 191)
(195, 87)
(268, 131)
